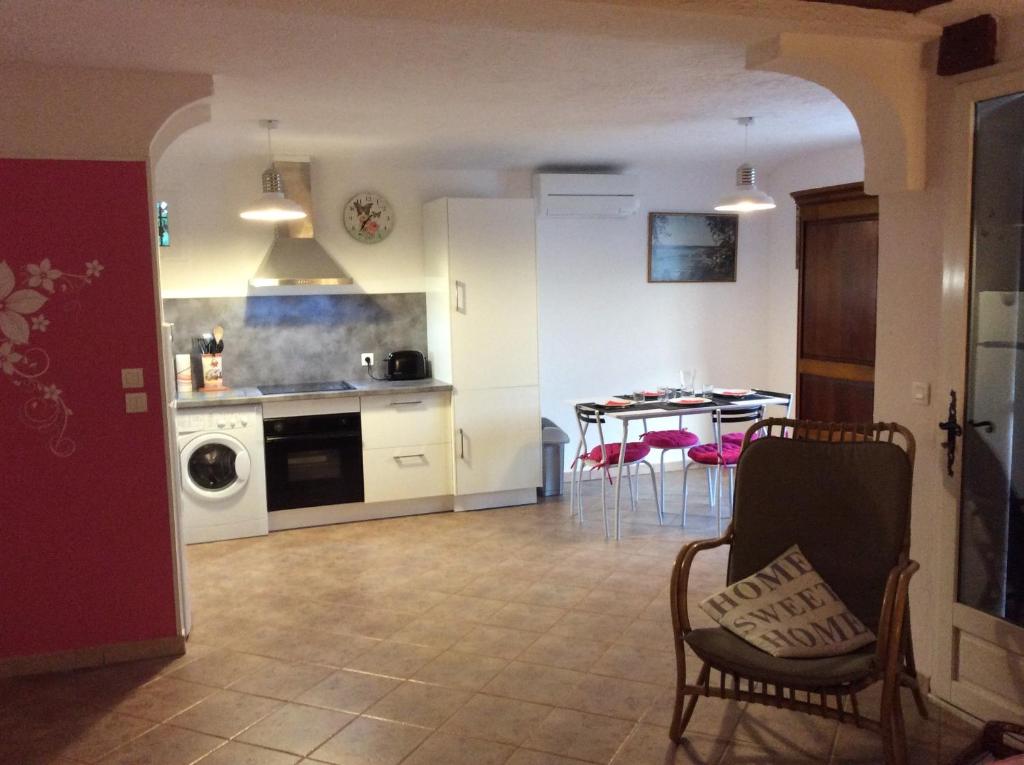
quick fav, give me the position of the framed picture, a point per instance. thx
(691, 247)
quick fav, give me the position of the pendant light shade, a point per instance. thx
(747, 197)
(272, 206)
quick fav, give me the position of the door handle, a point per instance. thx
(986, 424)
(460, 297)
(953, 432)
(462, 444)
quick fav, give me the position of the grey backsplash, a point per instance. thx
(307, 338)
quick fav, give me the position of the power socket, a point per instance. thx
(366, 359)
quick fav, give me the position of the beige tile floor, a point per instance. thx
(506, 636)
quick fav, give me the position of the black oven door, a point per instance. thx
(313, 461)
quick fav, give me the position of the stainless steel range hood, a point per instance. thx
(295, 257)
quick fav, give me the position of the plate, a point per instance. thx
(689, 400)
(615, 401)
(733, 392)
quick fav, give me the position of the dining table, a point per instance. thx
(653, 407)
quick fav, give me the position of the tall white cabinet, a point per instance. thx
(481, 269)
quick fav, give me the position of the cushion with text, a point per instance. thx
(787, 610)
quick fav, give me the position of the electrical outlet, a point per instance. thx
(366, 359)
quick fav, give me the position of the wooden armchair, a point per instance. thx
(842, 493)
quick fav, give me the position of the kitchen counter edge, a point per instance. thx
(236, 396)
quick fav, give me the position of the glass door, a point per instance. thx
(991, 575)
(980, 655)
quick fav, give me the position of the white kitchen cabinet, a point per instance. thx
(407, 472)
(406, 446)
(405, 419)
(492, 246)
(497, 439)
(481, 273)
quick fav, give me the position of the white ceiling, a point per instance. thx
(470, 83)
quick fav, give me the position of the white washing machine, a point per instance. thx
(223, 476)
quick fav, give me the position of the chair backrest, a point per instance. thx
(585, 417)
(749, 414)
(776, 394)
(588, 414)
(842, 493)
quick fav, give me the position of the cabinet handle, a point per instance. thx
(400, 457)
(460, 297)
(404, 403)
(462, 444)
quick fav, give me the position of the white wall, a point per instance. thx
(828, 168)
(214, 252)
(605, 330)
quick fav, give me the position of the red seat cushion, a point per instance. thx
(634, 453)
(670, 439)
(737, 438)
(707, 454)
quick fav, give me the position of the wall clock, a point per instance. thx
(368, 217)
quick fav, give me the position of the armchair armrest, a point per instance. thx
(681, 578)
(893, 617)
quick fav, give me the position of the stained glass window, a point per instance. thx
(163, 230)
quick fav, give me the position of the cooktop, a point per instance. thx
(314, 387)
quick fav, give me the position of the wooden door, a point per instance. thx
(837, 254)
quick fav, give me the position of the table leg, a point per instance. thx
(618, 479)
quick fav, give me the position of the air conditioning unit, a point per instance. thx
(585, 195)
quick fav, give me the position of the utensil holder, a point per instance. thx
(213, 372)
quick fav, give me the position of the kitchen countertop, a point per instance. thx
(231, 396)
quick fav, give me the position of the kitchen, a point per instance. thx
(345, 440)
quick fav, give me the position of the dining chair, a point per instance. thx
(604, 456)
(863, 474)
(666, 441)
(718, 457)
(737, 437)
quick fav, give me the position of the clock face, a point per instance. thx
(368, 217)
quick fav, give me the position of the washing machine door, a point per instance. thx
(214, 466)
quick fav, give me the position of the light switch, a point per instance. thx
(131, 378)
(135, 403)
(920, 393)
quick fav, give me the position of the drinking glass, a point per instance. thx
(687, 378)
(638, 395)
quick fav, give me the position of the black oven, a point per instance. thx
(313, 460)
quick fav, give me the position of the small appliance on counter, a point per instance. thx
(406, 365)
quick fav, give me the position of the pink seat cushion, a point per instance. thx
(707, 454)
(634, 453)
(737, 438)
(670, 439)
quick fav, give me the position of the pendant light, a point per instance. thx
(747, 197)
(272, 206)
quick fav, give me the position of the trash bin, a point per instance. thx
(554, 440)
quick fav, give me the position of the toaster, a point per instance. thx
(406, 365)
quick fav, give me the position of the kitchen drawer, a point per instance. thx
(391, 474)
(406, 419)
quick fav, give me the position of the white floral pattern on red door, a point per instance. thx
(25, 363)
